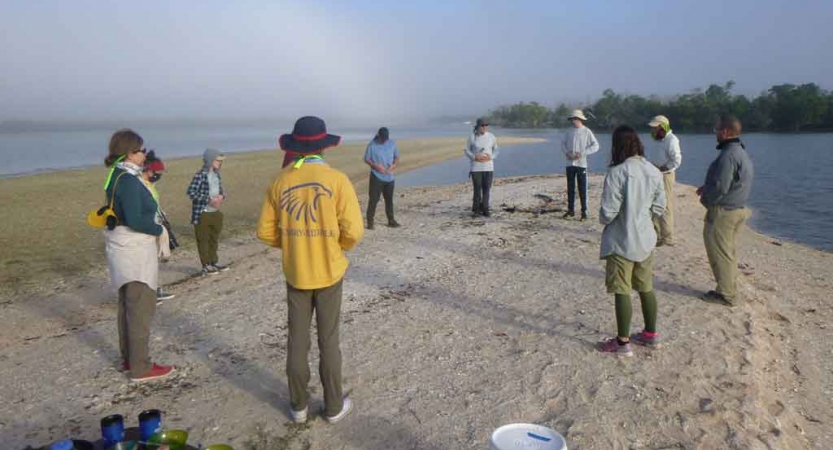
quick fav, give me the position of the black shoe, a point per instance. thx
(583, 217)
(569, 215)
(219, 268)
(393, 224)
(486, 213)
(209, 269)
(369, 225)
(717, 298)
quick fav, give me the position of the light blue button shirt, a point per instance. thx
(382, 154)
(633, 194)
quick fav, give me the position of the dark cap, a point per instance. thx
(481, 122)
(383, 134)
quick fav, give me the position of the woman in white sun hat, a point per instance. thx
(578, 142)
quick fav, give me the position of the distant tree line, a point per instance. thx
(783, 108)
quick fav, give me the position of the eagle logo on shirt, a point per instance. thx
(304, 200)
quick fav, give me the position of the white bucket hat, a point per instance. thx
(659, 120)
(577, 114)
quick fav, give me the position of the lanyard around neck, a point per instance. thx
(303, 159)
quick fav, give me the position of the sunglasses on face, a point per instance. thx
(141, 150)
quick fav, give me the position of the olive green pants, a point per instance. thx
(664, 225)
(137, 306)
(326, 303)
(207, 232)
(720, 232)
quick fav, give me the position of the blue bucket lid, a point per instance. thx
(62, 445)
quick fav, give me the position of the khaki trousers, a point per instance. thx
(664, 225)
(207, 232)
(720, 232)
(137, 306)
(326, 303)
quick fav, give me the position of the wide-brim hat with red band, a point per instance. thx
(308, 137)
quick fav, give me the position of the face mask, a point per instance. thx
(155, 177)
(658, 134)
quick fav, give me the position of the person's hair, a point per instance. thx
(626, 143)
(731, 123)
(122, 143)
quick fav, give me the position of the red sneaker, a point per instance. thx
(157, 372)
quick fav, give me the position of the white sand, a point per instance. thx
(452, 326)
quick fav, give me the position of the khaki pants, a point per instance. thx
(720, 232)
(664, 225)
(207, 232)
(326, 303)
(137, 306)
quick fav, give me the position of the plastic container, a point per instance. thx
(526, 436)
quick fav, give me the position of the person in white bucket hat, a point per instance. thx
(578, 142)
(665, 154)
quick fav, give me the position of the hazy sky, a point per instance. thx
(367, 59)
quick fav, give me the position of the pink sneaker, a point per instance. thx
(611, 346)
(157, 372)
(647, 339)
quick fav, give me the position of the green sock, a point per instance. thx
(623, 315)
(649, 310)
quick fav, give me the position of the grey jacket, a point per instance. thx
(633, 194)
(729, 179)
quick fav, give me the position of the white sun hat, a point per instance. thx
(577, 114)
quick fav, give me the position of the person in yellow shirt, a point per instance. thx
(311, 212)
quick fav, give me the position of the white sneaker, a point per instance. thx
(345, 409)
(299, 416)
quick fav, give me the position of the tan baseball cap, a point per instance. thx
(659, 120)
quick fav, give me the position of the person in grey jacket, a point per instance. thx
(633, 195)
(724, 194)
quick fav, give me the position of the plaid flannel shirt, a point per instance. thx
(198, 192)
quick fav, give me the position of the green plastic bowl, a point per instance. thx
(219, 447)
(175, 439)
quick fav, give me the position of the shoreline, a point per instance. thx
(471, 324)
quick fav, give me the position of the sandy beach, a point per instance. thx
(451, 327)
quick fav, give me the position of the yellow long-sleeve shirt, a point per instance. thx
(312, 214)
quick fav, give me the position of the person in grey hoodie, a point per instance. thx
(724, 194)
(481, 149)
(207, 196)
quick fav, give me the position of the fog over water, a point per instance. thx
(366, 61)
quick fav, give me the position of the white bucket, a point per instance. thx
(526, 436)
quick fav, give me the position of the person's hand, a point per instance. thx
(163, 247)
(663, 169)
(700, 191)
(215, 202)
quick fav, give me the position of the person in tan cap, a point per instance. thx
(666, 156)
(578, 142)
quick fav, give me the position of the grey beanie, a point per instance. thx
(209, 156)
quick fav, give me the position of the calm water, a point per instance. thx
(33, 152)
(792, 193)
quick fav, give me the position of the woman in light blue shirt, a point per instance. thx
(633, 195)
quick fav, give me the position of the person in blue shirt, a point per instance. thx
(382, 156)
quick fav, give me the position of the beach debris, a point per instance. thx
(746, 269)
(776, 243)
(544, 197)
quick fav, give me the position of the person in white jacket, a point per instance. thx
(578, 142)
(481, 149)
(665, 154)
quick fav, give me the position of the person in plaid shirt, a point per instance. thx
(207, 196)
